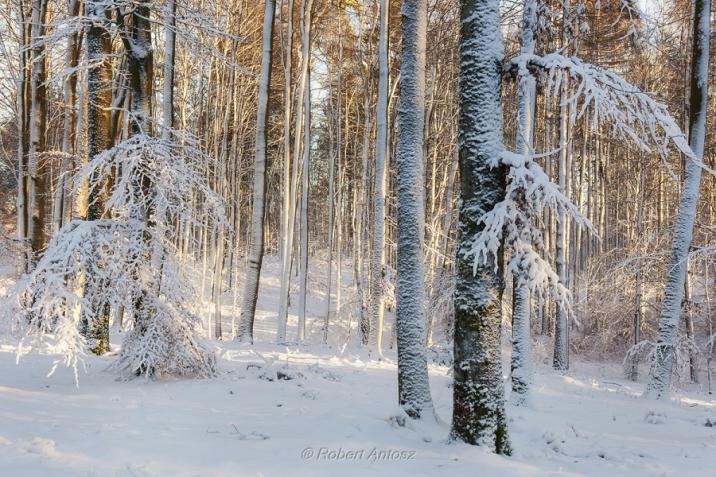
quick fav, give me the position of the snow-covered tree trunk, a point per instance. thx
(377, 310)
(521, 365)
(256, 246)
(137, 40)
(413, 383)
(478, 391)
(660, 372)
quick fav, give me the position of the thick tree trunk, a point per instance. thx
(95, 321)
(478, 392)
(413, 384)
(660, 373)
(38, 187)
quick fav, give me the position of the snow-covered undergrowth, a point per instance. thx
(329, 410)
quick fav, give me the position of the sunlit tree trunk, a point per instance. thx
(660, 373)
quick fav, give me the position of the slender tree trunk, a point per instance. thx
(168, 88)
(60, 210)
(478, 392)
(256, 246)
(303, 279)
(306, 7)
(23, 139)
(561, 324)
(660, 373)
(521, 365)
(634, 370)
(377, 310)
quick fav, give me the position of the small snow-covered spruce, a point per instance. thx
(135, 258)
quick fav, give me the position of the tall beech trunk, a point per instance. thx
(660, 372)
(256, 245)
(38, 186)
(377, 310)
(478, 392)
(413, 384)
(95, 321)
(521, 364)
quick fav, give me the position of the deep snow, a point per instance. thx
(271, 403)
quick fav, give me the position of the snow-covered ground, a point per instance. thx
(318, 410)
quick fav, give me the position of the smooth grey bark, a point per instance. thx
(256, 245)
(303, 276)
(306, 9)
(377, 310)
(37, 189)
(169, 54)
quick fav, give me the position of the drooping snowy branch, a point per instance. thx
(512, 221)
(608, 98)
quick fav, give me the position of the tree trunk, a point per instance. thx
(95, 321)
(521, 365)
(660, 372)
(303, 279)
(478, 393)
(256, 246)
(377, 310)
(168, 88)
(38, 191)
(413, 384)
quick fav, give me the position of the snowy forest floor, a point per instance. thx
(317, 410)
